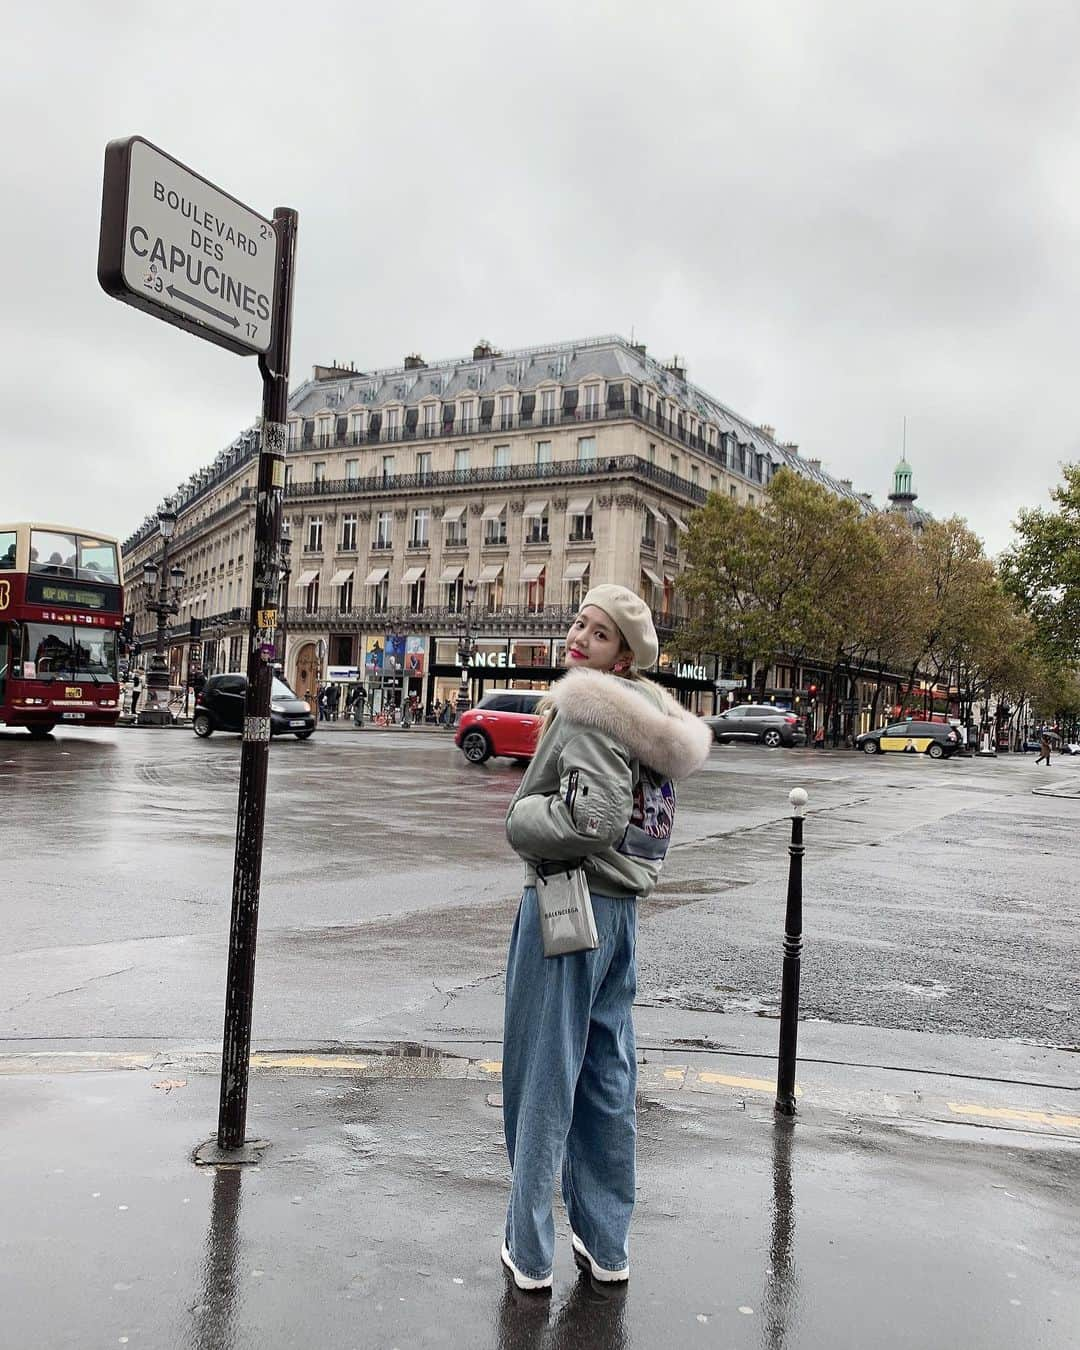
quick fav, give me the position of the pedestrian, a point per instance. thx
(136, 690)
(598, 789)
(819, 737)
(323, 700)
(358, 705)
(1044, 749)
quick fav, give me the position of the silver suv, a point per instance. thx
(758, 722)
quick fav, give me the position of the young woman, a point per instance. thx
(599, 789)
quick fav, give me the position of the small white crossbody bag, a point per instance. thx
(567, 923)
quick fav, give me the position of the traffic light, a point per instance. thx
(811, 689)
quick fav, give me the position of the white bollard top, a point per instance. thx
(798, 798)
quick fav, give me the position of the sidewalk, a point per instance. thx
(375, 1216)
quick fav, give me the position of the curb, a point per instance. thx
(655, 1076)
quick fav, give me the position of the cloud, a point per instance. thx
(838, 215)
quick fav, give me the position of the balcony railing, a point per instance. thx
(606, 466)
(432, 619)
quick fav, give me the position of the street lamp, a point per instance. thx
(465, 650)
(164, 603)
(286, 575)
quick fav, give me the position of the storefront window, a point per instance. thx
(531, 653)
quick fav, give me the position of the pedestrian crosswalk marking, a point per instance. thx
(1011, 1113)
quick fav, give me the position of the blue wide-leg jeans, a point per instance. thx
(569, 1079)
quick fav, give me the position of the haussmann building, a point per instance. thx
(447, 518)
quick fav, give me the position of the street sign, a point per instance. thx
(180, 248)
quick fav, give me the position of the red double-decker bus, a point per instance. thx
(61, 606)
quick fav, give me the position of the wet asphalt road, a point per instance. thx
(939, 896)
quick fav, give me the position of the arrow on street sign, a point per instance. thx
(180, 248)
(209, 309)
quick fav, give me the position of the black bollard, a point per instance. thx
(789, 989)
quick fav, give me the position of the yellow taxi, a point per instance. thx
(936, 739)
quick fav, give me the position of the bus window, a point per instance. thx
(5, 654)
(97, 560)
(52, 554)
(7, 549)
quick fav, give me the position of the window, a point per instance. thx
(318, 471)
(495, 526)
(392, 425)
(421, 519)
(423, 464)
(461, 460)
(750, 499)
(7, 550)
(454, 521)
(416, 595)
(294, 435)
(311, 595)
(547, 406)
(534, 588)
(348, 533)
(695, 475)
(288, 474)
(577, 584)
(652, 452)
(506, 411)
(648, 529)
(352, 470)
(384, 527)
(468, 415)
(586, 449)
(733, 490)
(592, 401)
(314, 535)
(380, 599)
(52, 553)
(431, 419)
(501, 458)
(579, 512)
(345, 595)
(543, 452)
(455, 596)
(536, 522)
(387, 467)
(356, 426)
(324, 434)
(714, 483)
(675, 465)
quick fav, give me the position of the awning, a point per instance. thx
(578, 506)
(306, 578)
(412, 576)
(574, 571)
(454, 512)
(341, 576)
(648, 572)
(657, 515)
(493, 512)
(533, 571)
(376, 575)
(491, 572)
(450, 574)
(536, 508)
(678, 521)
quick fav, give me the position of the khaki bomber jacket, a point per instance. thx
(601, 786)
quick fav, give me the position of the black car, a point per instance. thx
(758, 722)
(936, 739)
(220, 707)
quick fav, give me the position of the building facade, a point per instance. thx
(518, 478)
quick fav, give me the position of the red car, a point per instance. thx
(504, 722)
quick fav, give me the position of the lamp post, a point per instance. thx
(286, 576)
(465, 651)
(164, 603)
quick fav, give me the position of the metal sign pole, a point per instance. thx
(255, 755)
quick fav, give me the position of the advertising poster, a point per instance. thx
(373, 656)
(394, 655)
(414, 656)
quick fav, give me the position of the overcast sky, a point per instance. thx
(837, 213)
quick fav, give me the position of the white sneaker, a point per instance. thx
(523, 1281)
(584, 1258)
